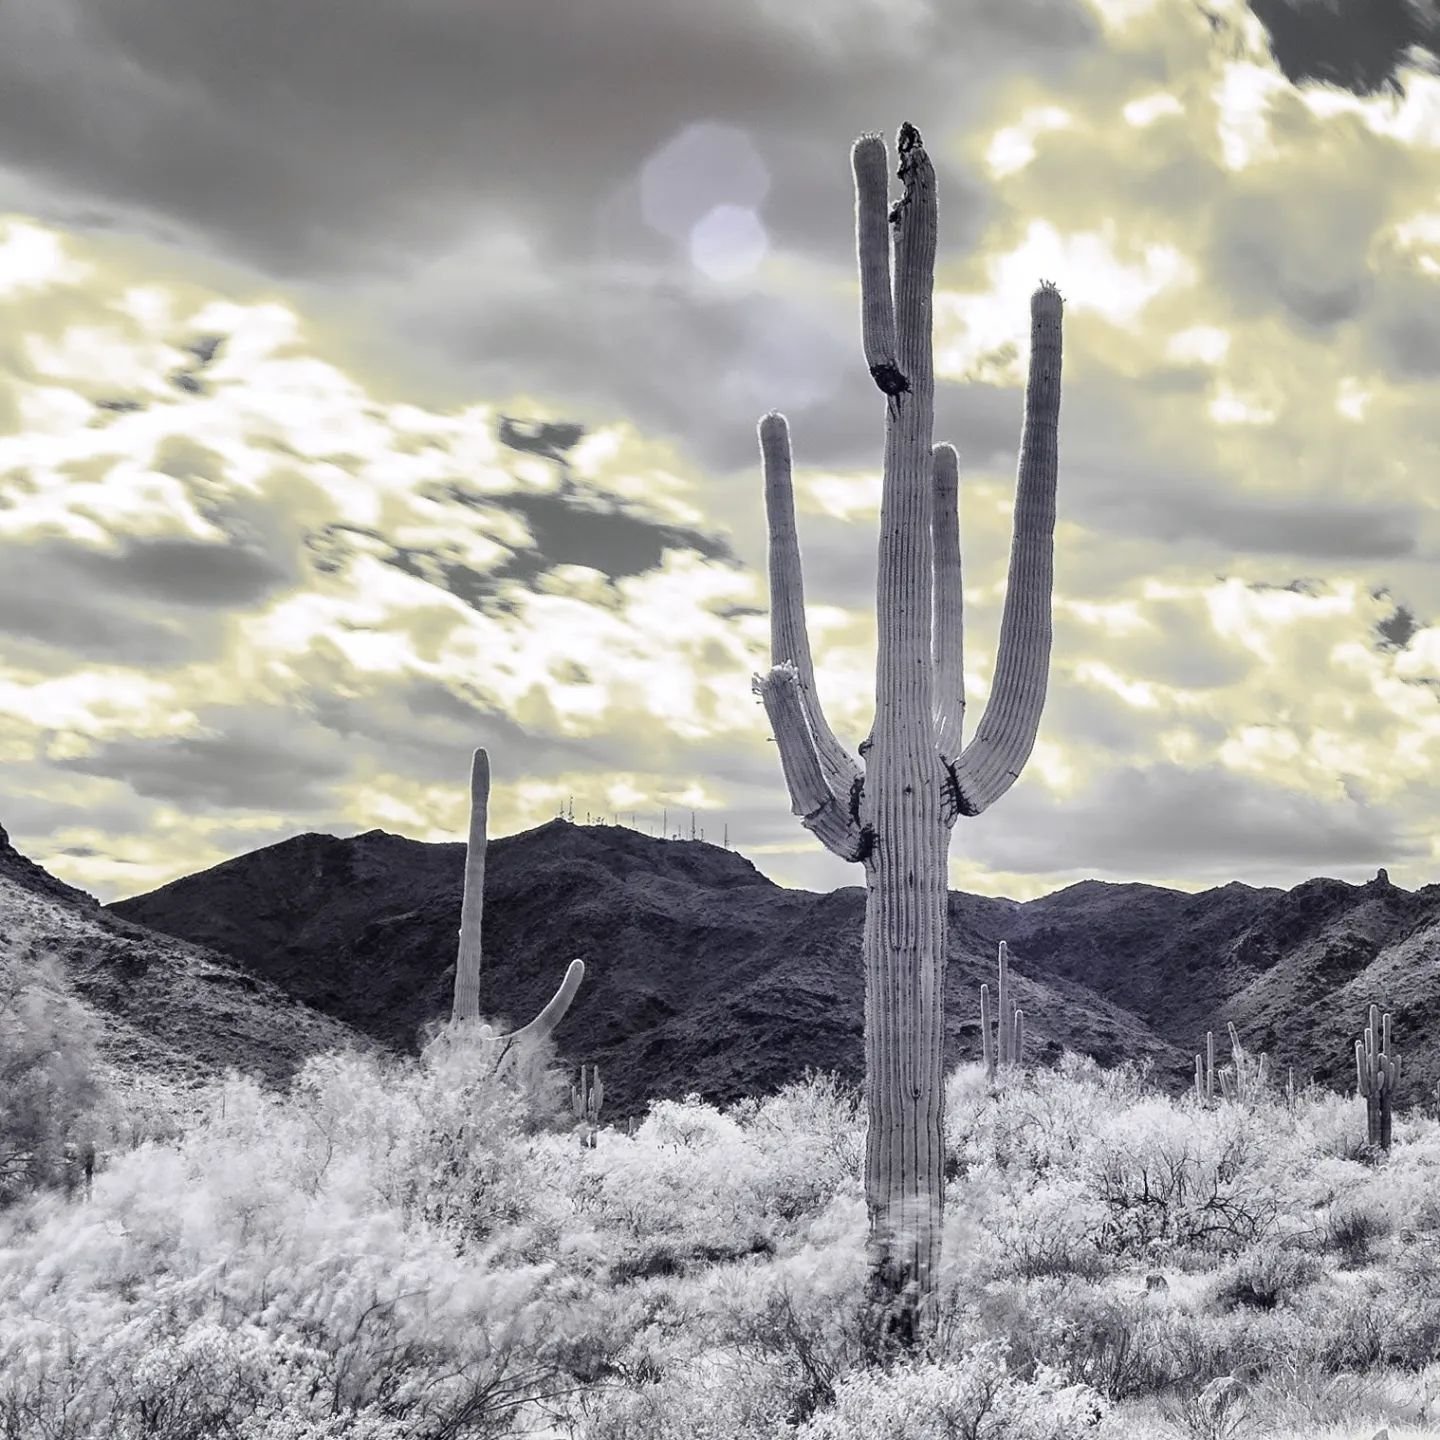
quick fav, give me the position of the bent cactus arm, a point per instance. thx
(991, 763)
(834, 824)
(466, 1004)
(789, 637)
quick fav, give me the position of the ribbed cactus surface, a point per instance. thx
(891, 805)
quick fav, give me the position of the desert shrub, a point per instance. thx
(681, 1189)
(974, 1397)
(809, 1144)
(1193, 1181)
(54, 1107)
(1123, 1344)
(320, 1219)
(1360, 1327)
(710, 1398)
(1352, 1229)
(1050, 1229)
(1262, 1277)
(802, 1316)
(1033, 1128)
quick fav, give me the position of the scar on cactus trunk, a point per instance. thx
(472, 905)
(891, 806)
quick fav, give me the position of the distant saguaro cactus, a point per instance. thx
(466, 1004)
(891, 806)
(1008, 1046)
(1377, 1073)
(1244, 1080)
(586, 1100)
(1206, 1094)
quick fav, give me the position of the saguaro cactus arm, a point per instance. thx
(992, 761)
(948, 643)
(877, 306)
(466, 1004)
(834, 823)
(789, 637)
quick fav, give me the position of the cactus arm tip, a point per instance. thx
(545, 1022)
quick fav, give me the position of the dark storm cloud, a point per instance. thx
(1396, 630)
(244, 759)
(175, 571)
(575, 526)
(427, 731)
(1204, 822)
(572, 528)
(1357, 44)
(46, 596)
(394, 145)
(118, 603)
(33, 817)
(1141, 490)
(1279, 242)
(312, 140)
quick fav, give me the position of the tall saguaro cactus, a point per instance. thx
(466, 1004)
(1377, 1073)
(1007, 1045)
(891, 806)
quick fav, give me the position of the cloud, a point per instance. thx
(1359, 44)
(1208, 823)
(371, 403)
(238, 760)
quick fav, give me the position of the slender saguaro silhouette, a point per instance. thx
(891, 806)
(472, 906)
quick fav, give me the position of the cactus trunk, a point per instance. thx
(894, 812)
(472, 903)
(466, 1003)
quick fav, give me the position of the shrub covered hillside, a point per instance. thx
(415, 1248)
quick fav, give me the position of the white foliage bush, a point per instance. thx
(974, 1396)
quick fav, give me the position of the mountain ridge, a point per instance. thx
(704, 975)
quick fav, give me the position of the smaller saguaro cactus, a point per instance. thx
(1377, 1073)
(1244, 1079)
(1205, 1093)
(586, 1098)
(466, 1003)
(1008, 1045)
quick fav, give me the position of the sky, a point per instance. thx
(378, 381)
